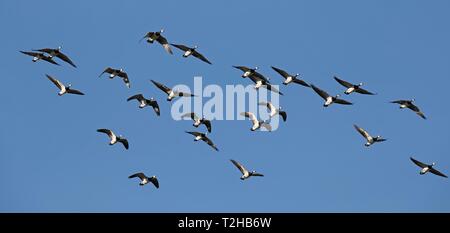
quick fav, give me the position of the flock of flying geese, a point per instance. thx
(48, 55)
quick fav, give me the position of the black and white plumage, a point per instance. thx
(40, 56)
(201, 136)
(370, 140)
(329, 99)
(62, 88)
(143, 102)
(352, 87)
(273, 110)
(198, 121)
(57, 53)
(113, 138)
(259, 82)
(256, 124)
(410, 104)
(156, 36)
(288, 78)
(117, 73)
(145, 180)
(171, 94)
(427, 168)
(245, 173)
(188, 51)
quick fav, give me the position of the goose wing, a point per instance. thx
(110, 133)
(283, 115)
(125, 78)
(194, 133)
(416, 110)
(74, 91)
(155, 106)
(400, 101)
(301, 82)
(147, 35)
(320, 92)
(363, 91)
(33, 54)
(239, 166)
(138, 97)
(257, 174)
(210, 143)
(162, 87)
(66, 59)
(242, 68)
(181, 47)
(251, 116)
(201, 57)
(281, 72)
(436, 172)
(124, 141)
(343, 83)
(207, 123)
(192, 115)
(49, 59)
(140, 175)
(154, 181)
(108, 70)
(46, 50)
(363, 132)
(341, 101)
(418, 163)
(272, 88)
(163, 41)
(56, 82)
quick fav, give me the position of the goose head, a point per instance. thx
(296, 75)
(59, 48)
(360, 84)
(255, 68)
(412, 100)
(121, 70)
(433, 164)
(195, 47)
(161, 31)
(337, 96)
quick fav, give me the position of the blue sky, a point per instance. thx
(53, 160)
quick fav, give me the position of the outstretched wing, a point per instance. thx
(436, 172)
(124, 141)
(301, 82)
(74, 91)
(363, 91)
(108, 70)
(341, 101)
(155, 182)
(181, 47)
(363, 132)
(55, 81)
(400, 101)
(320, 92)
(418, 163)
(155, 107)
(106, 131)
(161, 86)
(239, 166)
(242, 68)
(281, 72)
(65, 58)
(257, 174)
(163, 41)
(283, 115)
(138, 97)
(33, 54)
(249, 115)
(140, 175)
(210, 143)
(207, 123)
(194, 133)
(343, 83)
(201, 57)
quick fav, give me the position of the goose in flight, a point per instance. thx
(56, 53)
(191, 51)
(370, 140)
(273, 110)
(352, 87)
(245, 173)
(62, 88)
(203, 137)
(288, 78)
(409, 104)
(40, 56)
(171, 94)
(152, 36)
(145, 180)
(263, 83)
(198, 121)
(249, 72)
(257, 124)
(114, 138)
(117, 72)
(427, 168)
(329, 99)
(146, 102)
